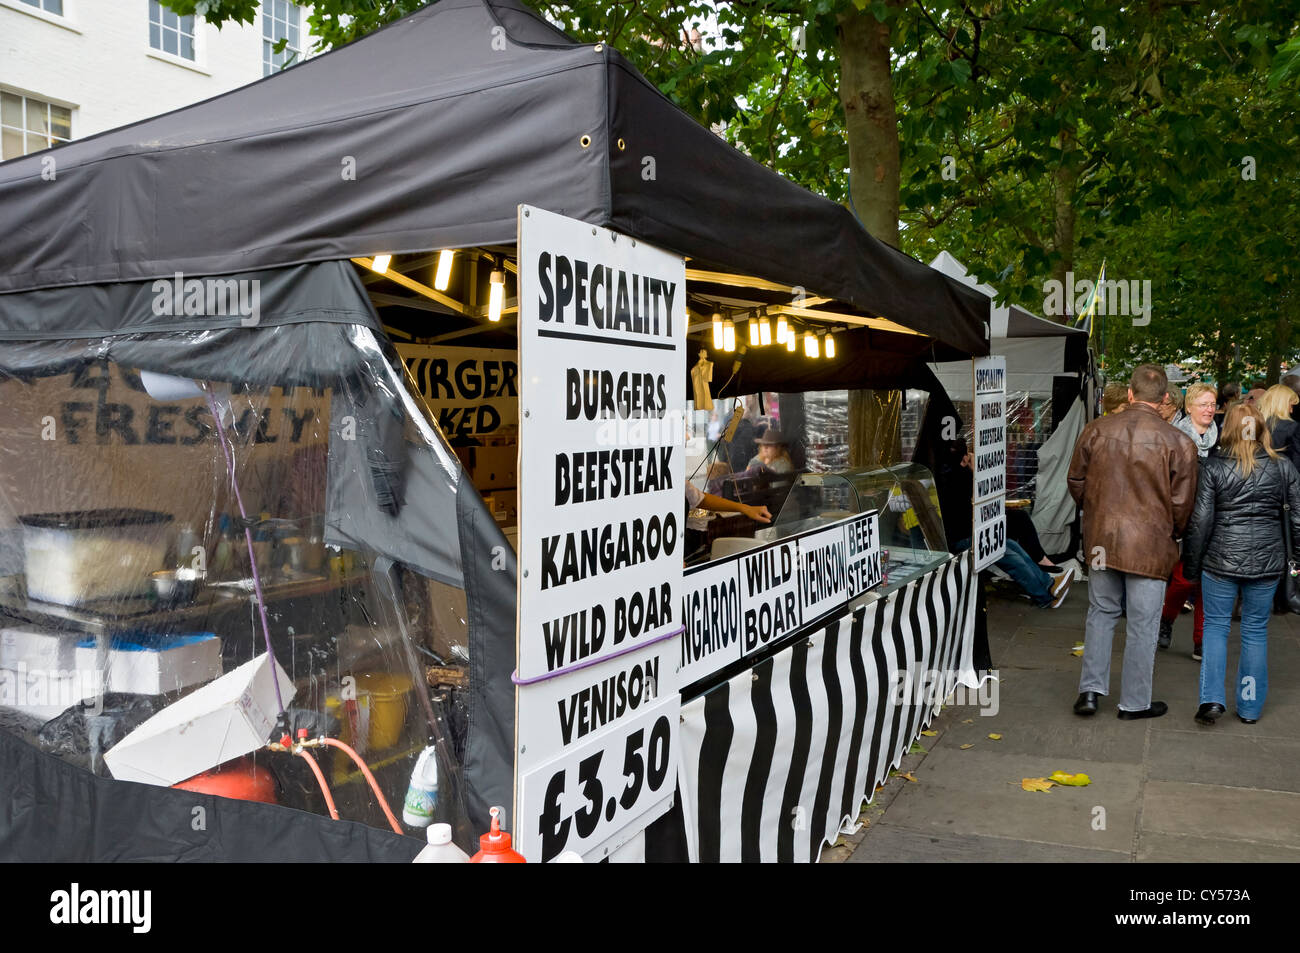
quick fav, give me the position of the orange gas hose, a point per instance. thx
(315, 769)
(374, 785)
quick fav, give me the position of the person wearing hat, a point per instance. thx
(772, 453)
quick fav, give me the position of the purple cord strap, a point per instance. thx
(514, 676)
(248, 538)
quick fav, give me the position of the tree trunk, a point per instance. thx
(1278, 348)
(875, 435)
(871, 128)
(870, 120)
(1065, 179)
(1222, 350)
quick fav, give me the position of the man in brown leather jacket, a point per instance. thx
(1135, 477)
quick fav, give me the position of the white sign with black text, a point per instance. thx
(739, 606)
(988, 534)
(473, 390)
(602, 349)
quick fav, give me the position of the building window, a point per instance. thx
(171, 33)
(49, 6)
(28, 125)
(281, 20)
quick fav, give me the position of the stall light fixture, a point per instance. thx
(753, 332)
(764, 330)
(782, 329)
(830, 346)
(791, 340)
(717, 331)
(380, 263)
(810, 345)
(496, 292)
(442, 278)
(729, 336)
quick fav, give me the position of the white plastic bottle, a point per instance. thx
(422, 794)
(441, 850)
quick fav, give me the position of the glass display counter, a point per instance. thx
(911, 532)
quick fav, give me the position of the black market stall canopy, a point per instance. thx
(428, 134)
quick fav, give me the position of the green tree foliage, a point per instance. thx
(1035, 137)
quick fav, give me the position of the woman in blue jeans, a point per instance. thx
(1234, 544)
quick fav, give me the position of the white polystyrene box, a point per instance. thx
(220, 721)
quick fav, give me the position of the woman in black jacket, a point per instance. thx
(1235, 545)
(1276, 406)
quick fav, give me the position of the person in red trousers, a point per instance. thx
(1197, 423)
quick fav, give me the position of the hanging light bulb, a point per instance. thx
(782, 329)
(764, 330)
(717, 331)
(791, 340)
(496, 293)
(380, 263)
(729, 336)
(830, 346)
(811, 346)
(753, 332)
(442, 277)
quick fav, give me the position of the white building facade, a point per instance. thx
(73, 68)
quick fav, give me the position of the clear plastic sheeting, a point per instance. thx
(1029, 425)
(162, 535)
(828, 430)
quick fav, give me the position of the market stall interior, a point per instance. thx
(258, 475)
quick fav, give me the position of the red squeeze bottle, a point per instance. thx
(494, 846)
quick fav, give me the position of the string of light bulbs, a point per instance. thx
(816, 343)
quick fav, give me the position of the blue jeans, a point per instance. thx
(1017, 564)
(1219, 595)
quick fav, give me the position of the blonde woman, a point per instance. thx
(1235, 547)
(1199, 421)
(1276, 406)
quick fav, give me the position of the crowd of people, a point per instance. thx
(1194, 497)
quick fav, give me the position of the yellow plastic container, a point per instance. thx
(389, 693)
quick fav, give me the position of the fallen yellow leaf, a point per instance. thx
(964, 747)
(908, 775)
(996, 737)
(968, 721)
(1077, 651)
(929, 734)
(1036, 784)
(1074, 780)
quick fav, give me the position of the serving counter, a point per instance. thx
(780, 748)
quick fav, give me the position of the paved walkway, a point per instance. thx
(1163, 789)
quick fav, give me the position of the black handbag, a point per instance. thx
(1288, 591)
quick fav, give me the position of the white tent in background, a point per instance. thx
(1039, 354)
(1035, 348)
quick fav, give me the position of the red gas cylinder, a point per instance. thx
(494, 846)
(240, 779)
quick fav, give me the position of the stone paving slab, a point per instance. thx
(965, 792)
(1217, 810)
(1190, 849)
(1228, 755)
(895, 845)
